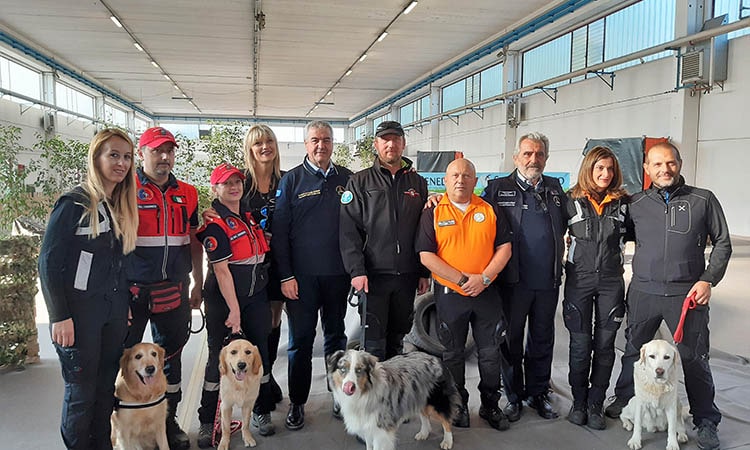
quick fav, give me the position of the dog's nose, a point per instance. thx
(150, 370)
(659, 371)
(241, 365)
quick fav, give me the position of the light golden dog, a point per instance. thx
(655, 406)
(139, 420)
(241, 369)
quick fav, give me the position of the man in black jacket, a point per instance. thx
(672, 223)
(380, 213)
(534, 205)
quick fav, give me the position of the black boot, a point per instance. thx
(178, 439)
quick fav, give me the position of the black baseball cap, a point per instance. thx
(389, 127)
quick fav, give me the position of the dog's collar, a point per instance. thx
(119, 404)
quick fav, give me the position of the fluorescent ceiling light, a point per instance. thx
(175, 86)
(382, 36)
(411, 6)
(329, 93)
(116, 21)
(138, 46)
(348, 72)
(153, 63)
(166, 77)
(362, 58)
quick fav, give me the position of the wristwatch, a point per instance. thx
(486, 280)
(463, 280)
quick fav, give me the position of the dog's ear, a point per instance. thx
(642, 360)
(333, 360)
(125, 357)
(223, 361)
(257, 361)
(676, 355)
(160, 351)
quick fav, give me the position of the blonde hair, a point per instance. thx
(252, 137)
(586, 182)
(122, 204)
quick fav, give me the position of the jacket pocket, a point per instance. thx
(572, 317)
(83, 271)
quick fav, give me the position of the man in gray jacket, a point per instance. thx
(672, 223)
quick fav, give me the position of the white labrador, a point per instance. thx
(655, 406)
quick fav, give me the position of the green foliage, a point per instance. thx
(64, 168)
(15, 198)
(365, 151)
(17, 290)
(342, 156)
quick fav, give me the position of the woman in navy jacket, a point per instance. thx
(83, 283)
(594, 286)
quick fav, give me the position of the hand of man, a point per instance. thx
(63, 333)
(196, 297)
(474, 286)
(209, 214)
(360, 283)
(290, 289)
(423, 286)
(702, 291)
(234, 321)
(432, 200)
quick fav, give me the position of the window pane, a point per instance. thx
(547, 61)
(407, 113)
(492, 81)
(454, 95)
(20, 79)
(732, 9)
(424, 108)
(655, 21)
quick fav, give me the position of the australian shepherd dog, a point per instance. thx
(377, 397)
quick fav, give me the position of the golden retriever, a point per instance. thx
(139, 419)
(655, 406)
(241, 369)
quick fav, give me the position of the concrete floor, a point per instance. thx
(30, 399)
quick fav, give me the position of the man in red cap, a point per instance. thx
(158, 270)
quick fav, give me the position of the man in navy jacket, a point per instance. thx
(305, 246)
(534, 205)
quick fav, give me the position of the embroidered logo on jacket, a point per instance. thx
(412, 193)
(144, 195)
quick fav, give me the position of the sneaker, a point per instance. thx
(596, 418)
(462, 417)
(707, 437)
(614, 409)
(178, 439)
(495, 417)
(577, 415)
(295, 418)
(263, 423)
(205, 433)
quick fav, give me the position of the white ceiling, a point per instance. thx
(206, 46)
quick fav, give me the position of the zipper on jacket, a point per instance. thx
(166, 236)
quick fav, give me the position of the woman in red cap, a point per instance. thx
(235, 294)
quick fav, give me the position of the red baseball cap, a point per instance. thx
(223, 171)
(155, 136)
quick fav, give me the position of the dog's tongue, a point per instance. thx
(149, 380)
(348, 388)
(240, 375)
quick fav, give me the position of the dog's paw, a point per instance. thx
(673, 446)
(682, 437)
(248, 439)
(634, 443)
(628, 425)
(447, 442)
(422, 435)
(223, 445)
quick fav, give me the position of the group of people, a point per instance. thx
(119, 251)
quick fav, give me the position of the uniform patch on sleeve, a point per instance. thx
(347, 197)
(506, 193)
(446, 223)
(278, 192)
(210, 244)
(479, 217)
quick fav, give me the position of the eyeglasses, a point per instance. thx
(540, 202)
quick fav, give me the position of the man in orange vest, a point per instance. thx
(465, 243)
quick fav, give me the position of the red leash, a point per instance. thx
(687, 305)
(216, 432)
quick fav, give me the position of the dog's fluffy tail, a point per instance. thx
(444, 397)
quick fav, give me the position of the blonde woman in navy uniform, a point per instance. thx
(83, 282)
(234, 294)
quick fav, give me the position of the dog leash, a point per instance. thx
(190, 331)
(687, 305)
(234, 425)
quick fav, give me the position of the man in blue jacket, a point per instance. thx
(534, 205)
(305, 246)
(672, 223)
